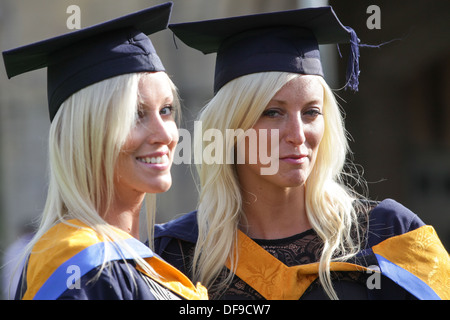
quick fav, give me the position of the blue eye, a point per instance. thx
(271, 113)
(167, 110)
(313, 112)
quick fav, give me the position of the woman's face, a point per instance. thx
(145, 160)
(296, 112)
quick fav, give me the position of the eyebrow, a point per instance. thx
(277, 101)
(167, 99)
(284, 102)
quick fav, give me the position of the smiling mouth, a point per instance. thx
(153, 160)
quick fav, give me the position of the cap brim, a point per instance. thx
(206, 36)
(35, 56)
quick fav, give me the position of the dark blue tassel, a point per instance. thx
(352, 76)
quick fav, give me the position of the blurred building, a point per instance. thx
(399, 120)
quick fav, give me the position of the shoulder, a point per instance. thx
(184, 228)
(57, 246)
(174, 240)
(390, 218)
(68, 251)
(65, 238)
(61, 242)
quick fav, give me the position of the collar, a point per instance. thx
(184, 228)
(174, 280)
(416, 261)
(272, 278)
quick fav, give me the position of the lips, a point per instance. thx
(294, 158)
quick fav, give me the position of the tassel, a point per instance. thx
(352, 76)
(174, 40)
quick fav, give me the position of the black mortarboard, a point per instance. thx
(279, 41)
(84, 57)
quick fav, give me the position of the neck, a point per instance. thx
(124, 214)
(274, 214)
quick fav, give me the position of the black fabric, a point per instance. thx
(78, 59)
(285, 41)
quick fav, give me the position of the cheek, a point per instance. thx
(129, 146)
(255, 147)
(314, 139)
(121, 166)
(269, 143)
(133, 140)
(267, 140)
(314, 134)
(172, 130)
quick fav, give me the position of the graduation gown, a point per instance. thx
(402, 259)
(66, 261)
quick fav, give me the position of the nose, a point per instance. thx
(161, 132)
(294, 130)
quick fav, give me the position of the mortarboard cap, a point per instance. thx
(78, 59)
(278, 41)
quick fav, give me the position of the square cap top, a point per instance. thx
(78, 59)
(277, 41)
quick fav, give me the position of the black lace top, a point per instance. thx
(299, 249)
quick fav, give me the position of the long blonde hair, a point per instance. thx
(330, 204)
(85, 139)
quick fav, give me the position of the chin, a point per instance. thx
(293, 184)
(162, 190)
(160, 187)
(291, 181)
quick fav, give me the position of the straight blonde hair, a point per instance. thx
(85, 139)
(331, 205)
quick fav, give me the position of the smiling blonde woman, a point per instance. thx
(111, 144)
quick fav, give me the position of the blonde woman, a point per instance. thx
(111, 143)
(301, 232)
